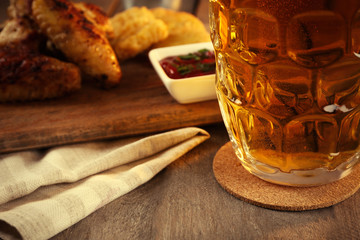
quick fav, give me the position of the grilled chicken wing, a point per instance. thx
(20, 31)
(78, 38)
(97, 16)
(19, 8)
(25, 73)
(31, 76)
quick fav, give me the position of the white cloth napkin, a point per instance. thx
(44, 192)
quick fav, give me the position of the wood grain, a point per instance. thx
(185, 201)
(140, 104)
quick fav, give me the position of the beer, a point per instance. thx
(287, 82)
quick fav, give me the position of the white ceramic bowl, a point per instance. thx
(185, 90)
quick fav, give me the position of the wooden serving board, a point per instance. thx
(140, 104)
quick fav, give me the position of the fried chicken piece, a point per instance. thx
(27, 74)
(184, 28)
(19, 8)
(97, 16)
(20, 31)
(78, 39)
(32, 76)
(136, 29)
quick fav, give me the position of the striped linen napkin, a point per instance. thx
(44, 192)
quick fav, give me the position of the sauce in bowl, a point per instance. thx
(193, 64)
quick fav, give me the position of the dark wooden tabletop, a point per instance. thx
(184, 201)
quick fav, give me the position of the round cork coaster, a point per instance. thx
(240, 183)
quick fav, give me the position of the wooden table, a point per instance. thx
(184, 201)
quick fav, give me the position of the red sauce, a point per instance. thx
(194, 64)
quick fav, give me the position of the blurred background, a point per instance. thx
(180, 5)
(113, 6)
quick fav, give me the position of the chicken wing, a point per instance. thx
(19, 8)
(97, 16)
(27, 74)
(35, 77)
(78, 38)
(20, 31)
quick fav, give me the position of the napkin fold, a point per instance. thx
(44, 192)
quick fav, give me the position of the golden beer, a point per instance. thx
(288, 86)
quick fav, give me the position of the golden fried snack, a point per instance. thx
(184, 28)
(136, 29)
(78, 39)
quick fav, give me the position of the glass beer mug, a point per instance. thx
(288, 77)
